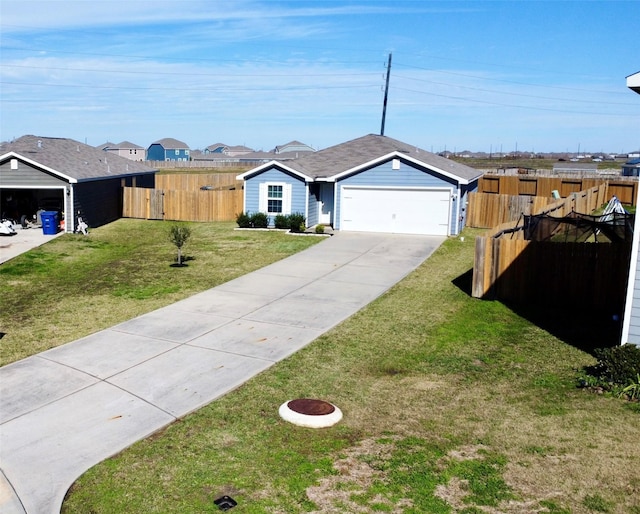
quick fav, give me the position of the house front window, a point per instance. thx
(274, 199)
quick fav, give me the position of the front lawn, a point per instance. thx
(451, 404)
(76, 285)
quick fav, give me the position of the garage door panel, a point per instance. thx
(405, 211)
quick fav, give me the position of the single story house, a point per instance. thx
(631, 319)
(63, 175)
(370, 184)
(168, 149)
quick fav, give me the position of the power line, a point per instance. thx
(475, 100)
(515, 94)
(511, 81)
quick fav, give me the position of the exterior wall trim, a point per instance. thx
(272, 164)
(37, 165)
(633, 265)
(398, 155)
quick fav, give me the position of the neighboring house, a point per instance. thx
(293, 147)
(127, 150)
(217, 148)
(234, 151)
(631, 320)
(370, 184)
(631, 168)
(168, 149)
(105, 145)
(75, 179)
(230, 151)
(575, 167)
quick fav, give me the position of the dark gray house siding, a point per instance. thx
(73, 178)
(28, 176)
(99, 202)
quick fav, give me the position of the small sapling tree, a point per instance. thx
(179, 235)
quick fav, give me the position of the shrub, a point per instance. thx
(282, 221)
(259, 220)
(296, 222)
(319, 229)
(632, 391)
(243, 220)
(179, 235)
(619, 365)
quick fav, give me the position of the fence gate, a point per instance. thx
(143, 203)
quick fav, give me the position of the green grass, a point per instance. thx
(451, 404)
(75, 285)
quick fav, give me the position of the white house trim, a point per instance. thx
(263, 198)
(633, 264)
(401, 156)
(272, 164)
(38, 165)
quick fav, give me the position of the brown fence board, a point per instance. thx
(501, 270)
(220, 205)
(194, 181)
(142, 203)
(625, 188)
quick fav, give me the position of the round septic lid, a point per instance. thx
(311, 413)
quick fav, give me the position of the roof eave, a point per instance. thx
(633, 82)
(41, 166)
(400, 155)
(270, 164)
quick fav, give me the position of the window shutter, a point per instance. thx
(262, 200)
(286, 199)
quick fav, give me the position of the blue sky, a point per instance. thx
(480, 76)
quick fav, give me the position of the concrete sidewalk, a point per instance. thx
(68, 408)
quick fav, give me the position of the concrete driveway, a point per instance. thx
(68, 408)
(25, 239)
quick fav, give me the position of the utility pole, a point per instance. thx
(386, 95)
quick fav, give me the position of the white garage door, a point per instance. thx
(396, 210)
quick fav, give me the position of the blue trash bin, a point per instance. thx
(49, 223)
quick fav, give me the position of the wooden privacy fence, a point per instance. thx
(569, 275)
(487, 210)
(194, 181)
(509, 268)
(198, 205)
(625, 188)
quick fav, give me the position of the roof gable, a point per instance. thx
(358, 154)
(273, 165)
